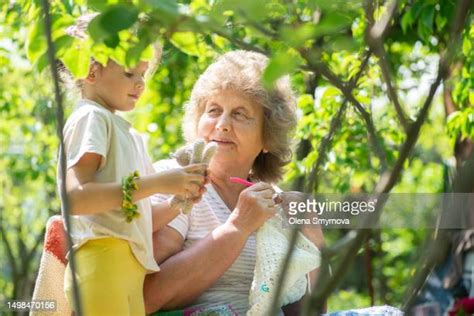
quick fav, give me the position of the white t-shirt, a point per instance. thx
(234, 285)
(92, 128)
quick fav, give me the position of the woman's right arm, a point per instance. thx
(186, 275)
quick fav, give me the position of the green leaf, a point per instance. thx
(416, 9)
(100, 52)
(219, 41)
(306, 103)
(332, 23)
(112, 41)
(427, 16)
(467, 47)
(454, 122)
(187, 42)
(63, 43)
(42, 62)
(280, 64)
(141, 51)
(59, 25)
(166, 12)
(98, 5)
(253, 10)
(407, 21)
(342, 43)
(167, 7)
(118, 17)
(36, 41)
(440, 21)
(96, 31)
(77, 59)
(330, 93)
(297, 36)
(423, 32)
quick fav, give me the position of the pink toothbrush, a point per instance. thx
(241, 181)
(276, 196)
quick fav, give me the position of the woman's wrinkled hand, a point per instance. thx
(254, 207)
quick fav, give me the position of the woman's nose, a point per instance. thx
(223, 123)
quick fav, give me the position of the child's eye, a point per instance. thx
(128, 74)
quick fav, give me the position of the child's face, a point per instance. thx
(117, 88)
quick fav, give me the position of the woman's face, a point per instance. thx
(235, 123)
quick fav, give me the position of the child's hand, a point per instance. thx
(198, 169)
(199, 152)
(187, 181)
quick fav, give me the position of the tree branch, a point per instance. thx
(335, 122)
(235, 41)
(449, 105)
(32, 252)
(430, 257)
(392, 93)
(270, 33)
(381, 27)
(375, 35)
(345, 89)
(387, 181)
(8, 248)
(62, 156)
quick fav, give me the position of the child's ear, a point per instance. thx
(93, 73)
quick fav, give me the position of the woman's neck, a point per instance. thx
(228, 191)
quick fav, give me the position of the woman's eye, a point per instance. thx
(241, 115)
(128, 75)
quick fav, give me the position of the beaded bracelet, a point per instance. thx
(128, 186)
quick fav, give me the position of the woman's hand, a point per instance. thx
(185, 181)
(254, 207)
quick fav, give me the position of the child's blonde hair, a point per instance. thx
(79, 31)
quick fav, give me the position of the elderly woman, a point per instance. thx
(207, 257)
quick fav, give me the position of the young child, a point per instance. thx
(113, 250)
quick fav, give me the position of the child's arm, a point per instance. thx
(162, 214)
(89, 197)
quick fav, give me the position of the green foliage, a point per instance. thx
(348, 299)
(28, 145)
(296, 36)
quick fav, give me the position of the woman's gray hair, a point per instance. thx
(242, 71)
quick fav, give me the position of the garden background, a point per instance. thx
(385, 104)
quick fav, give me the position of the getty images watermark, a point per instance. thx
(394, 210)
(320, 208)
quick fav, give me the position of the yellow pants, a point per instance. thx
(109, 277)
